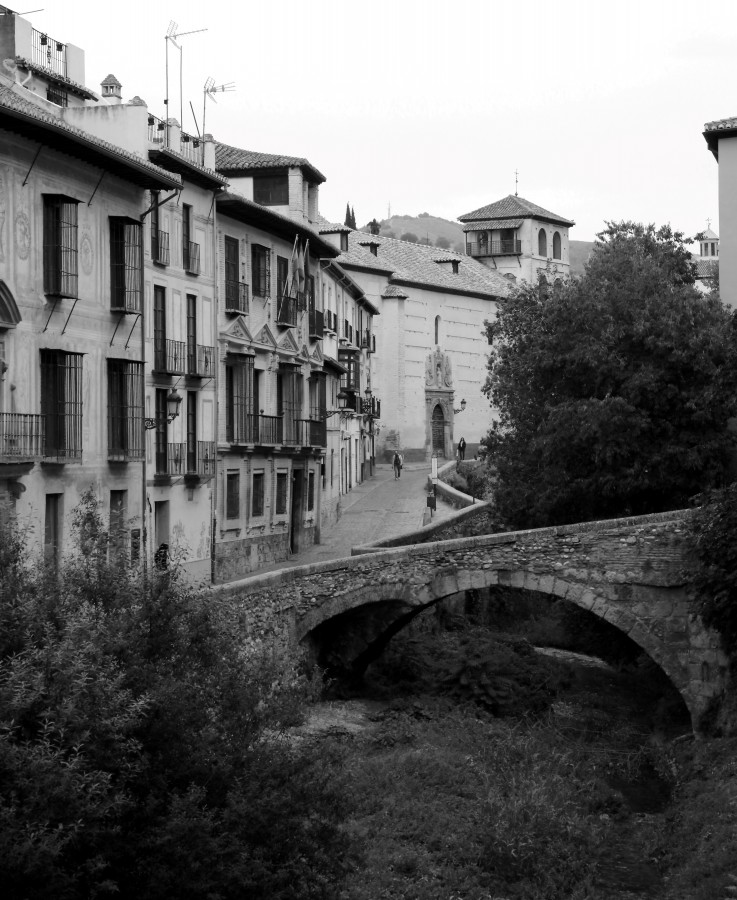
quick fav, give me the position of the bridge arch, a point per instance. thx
(374, 614)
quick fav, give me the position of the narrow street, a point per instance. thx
(380, 507)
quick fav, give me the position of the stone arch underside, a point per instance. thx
(657, 619)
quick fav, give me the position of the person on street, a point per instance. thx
(397, 463)
(462, 449)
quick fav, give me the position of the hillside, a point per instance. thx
(426, 229)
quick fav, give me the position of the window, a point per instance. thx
(289, 400)
(124, 409)
(271, 190)
(542, 243)
(556, 245)
(257, 502)
(159, 328)
(52, 529)
(192, 456)
(118, 530)
(311, 490)
(236, 295)
(57, 95)
(60, 246)
(125, 265)
(281, 493)
(162, 432)
(344, 242)
(437, 329)
(261, 270)
(233, 495)
(61, 404)
(159, 238)
(282, 276)
(190, 250)
(191, 334)
(240, 409)
(351, 380)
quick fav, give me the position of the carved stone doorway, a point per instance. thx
(438, 430)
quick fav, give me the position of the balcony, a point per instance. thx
(191, 252)
(160, 247)
(156, 130)
(370, 406)
(511, 247)
(48, 53)
(236, 297)
(286, 313)
(270, 429)
(200, 361)
(170, 357)
(22, 438)
(191, 149)
(317, 324)
(365, 340)
(191, 459)
(312, 432)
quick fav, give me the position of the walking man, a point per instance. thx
(397, 463)
(462, 449)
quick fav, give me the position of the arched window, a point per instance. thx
(556, 245)
(542, 243)
(437, 329)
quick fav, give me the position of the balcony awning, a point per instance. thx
(493, 225)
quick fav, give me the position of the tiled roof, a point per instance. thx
(234, 159)
(721, 124)
(514, 207)
(498, 223)
(20, 114)
(74, 86)
(333, 228)
(720, 127)
(409, 263)
(709, 235)
(392, 290)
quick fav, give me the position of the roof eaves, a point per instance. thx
(72, 86)
(169, 158)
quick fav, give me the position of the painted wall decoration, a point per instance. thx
(22, 235)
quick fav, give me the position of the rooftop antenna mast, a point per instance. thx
(516, 173)
(172, 35)
(210, 90)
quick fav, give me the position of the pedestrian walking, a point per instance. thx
(462, 449)
(397, 463)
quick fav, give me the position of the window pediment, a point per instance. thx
(9, 313)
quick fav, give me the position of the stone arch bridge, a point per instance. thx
(630, 572)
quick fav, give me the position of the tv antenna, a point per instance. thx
(173, 35)
(210, 90)
(516, 173)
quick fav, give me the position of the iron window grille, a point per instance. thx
(57, 95)
(125, 265)
(125, 410)
(61, 405)
(233, 496)
(60, 246)
(257, 494)
(289, 401)
(281, 493)
(236, 291)
(159, 238)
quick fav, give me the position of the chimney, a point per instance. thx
(112, 90)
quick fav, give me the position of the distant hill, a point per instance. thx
(427, 229)
(578, 253)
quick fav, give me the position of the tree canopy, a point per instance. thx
(614, 391)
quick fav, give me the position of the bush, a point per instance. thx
(139, 748)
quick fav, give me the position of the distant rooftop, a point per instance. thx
(235, 161)
(514, 207)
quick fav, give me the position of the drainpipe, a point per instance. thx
(216, 299)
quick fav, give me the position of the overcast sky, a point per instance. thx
(430, 106)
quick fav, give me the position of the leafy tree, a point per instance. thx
(139, 750)
(409, 236)
(613, 391)
(443, 243)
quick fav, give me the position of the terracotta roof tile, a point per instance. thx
(498, 223)
(511, 207)
(234, 159)
(419, 264)
(706, 268)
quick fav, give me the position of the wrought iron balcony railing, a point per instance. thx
(191, 148)
(317, 324)
(160, 247)
(190, 458)
(48, 53)
(191, 253)
(236, 297)
(200, 361)
(170, 357)
(312, 432)
(22, 437)
(510, 247)
(270, 429)
(286, 313)
(156, 130)
(371, 406)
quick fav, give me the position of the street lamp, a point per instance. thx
(463, 406)
(173, 402)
